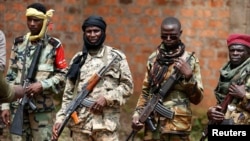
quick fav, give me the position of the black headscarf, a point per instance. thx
(94, 21)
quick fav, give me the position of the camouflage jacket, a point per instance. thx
(2, 51)
(51, 70)
(116, 86)
(179, 97)
(238, 110)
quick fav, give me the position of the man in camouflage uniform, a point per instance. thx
(100, 122)
(8, 93)
(169, 57)
(234, 81)
(49, 78)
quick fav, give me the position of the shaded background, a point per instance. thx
(134, 28)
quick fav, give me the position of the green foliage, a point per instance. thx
(199, 123)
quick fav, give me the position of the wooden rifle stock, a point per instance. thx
(228, 99)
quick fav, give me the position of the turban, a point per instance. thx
(94, 21)
(34, 12)
(242, 39)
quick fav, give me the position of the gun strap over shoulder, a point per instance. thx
(105, 60)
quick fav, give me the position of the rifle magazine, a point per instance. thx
(164, 111)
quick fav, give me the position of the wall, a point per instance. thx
(134, 27)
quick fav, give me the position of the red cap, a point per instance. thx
(242, 39)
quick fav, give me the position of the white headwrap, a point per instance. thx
(46, 17)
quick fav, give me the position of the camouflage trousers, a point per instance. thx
(95, 136)
(158, 136)
(36, 127)
(167, 137)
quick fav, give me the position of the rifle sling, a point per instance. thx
(78, 77)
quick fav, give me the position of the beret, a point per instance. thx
(242, 39)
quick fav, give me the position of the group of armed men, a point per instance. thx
(171, 83)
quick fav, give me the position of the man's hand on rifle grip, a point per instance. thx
(98, 105)
(136, 124)
(6, 117)
(214, 114)
(55, 128)
(34, 89)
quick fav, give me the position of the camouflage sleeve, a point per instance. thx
(57, 81)
(6, 94)
(11, 73)
(125, 88)
(6, 91)
(245, 101)
(246, 98)
(66, 99)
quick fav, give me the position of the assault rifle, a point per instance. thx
(17, 124)
(228, 99)
(154, 103)
(87, 88)
(223, 105)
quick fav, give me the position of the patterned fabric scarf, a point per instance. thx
(228, 76)
(46, 17)
(164, 58)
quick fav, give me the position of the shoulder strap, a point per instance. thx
(18, 40)
(54, 42)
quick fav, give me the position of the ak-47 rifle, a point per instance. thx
(17, 124)
(228, 99)
(154, 103)
(78, 102)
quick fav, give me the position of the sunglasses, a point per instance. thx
(171, 37)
